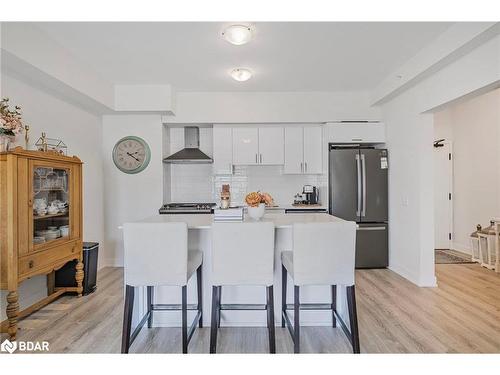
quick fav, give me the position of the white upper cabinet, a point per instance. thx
(222, 150)
(303, 150)
(245, 145)
(258, 146)
(294, 150)
(271, 146)
(356, 132)
(312, 150)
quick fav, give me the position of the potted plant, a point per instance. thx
(257, 203)
(10, 124)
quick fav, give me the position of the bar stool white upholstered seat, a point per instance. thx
(323, 254)
(242, 254)
(156, 254)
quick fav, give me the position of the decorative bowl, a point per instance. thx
(257, 212)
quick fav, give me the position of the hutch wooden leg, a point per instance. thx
(12, 313)
(51, 283)
(79, 278)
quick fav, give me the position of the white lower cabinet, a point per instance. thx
(303, 150)
(222, 150)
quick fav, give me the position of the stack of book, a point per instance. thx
(228, 214)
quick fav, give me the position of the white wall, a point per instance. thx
(409, 139)
(241, 107)
(33, 47)
(474, 128)
(81, 131)
(129, 197)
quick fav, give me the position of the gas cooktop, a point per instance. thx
(187, 208)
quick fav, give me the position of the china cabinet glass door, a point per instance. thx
(51, 204)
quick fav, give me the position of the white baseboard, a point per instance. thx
(461, 248)
(410, 276)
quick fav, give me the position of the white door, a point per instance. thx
(294, 151)
(245, 146)
(222, 150)
(312, 150)
(443, 195)
(271, 146)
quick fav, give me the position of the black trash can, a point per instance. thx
(65, 276)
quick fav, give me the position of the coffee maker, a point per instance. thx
(310, 194)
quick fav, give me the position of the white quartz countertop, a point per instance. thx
(204, 221)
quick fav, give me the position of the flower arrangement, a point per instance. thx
(255, 198)
(10, 120)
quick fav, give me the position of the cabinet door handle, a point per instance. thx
(31, 264)
(260, 158)
(301, 167)
(256, 159)
(305, 165)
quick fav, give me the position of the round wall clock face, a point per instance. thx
(131, 154)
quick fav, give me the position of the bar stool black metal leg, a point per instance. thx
(150, 293)
(184, 320)
(270, 319)
(283, 295)
(219, 303)
(127, 317)
(296, 318)
(213, 325)
(353, 318)
(334, 305)
(200, 295)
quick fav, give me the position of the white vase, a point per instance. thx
(256, 213)
(4, 143)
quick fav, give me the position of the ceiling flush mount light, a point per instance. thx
(237, 34)
(241, 74)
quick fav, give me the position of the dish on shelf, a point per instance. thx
(64, 230)
(48, 234)
(41, 212)
(38, 239)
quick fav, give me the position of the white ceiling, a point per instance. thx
(284, 56)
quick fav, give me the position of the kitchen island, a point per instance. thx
(199, 237)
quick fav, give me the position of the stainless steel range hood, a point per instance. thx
(191, 152)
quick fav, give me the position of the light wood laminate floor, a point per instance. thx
(461, 315)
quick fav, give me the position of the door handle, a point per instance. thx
(305, 166)
(256, 159)
(363, 166)
(371, 228)
(260, 158)
(358, 171)
(301, 167)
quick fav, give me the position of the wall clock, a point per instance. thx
(131, 154)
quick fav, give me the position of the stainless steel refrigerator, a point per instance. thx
(358, 192)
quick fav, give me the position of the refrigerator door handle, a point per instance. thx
(363, 166)
(371, 228)
(358, 170)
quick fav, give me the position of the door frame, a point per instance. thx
(448, 144)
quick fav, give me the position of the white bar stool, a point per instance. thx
(156, 254)
(323, 254)
(242, 254)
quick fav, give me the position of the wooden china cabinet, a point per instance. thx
(40, 224)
